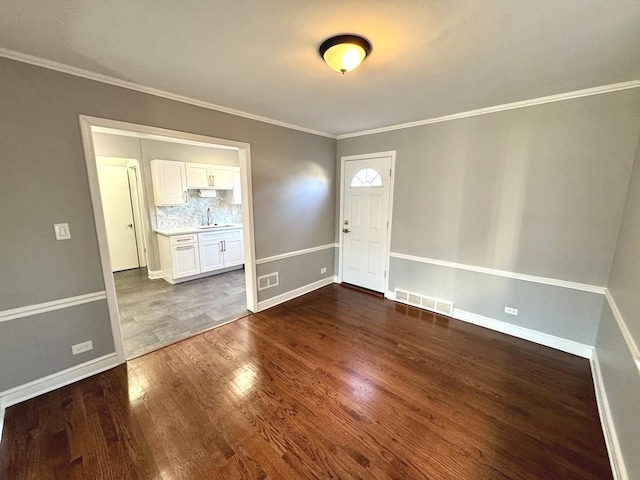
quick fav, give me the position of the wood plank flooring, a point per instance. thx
(335, 384)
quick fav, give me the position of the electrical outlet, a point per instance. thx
(62, 231)
(323, 270)
(511, 311)
(82, 347)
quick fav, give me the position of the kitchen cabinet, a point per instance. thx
(179, 255)
(211, 252)
(184, 256)
(234, 196)
(169, 181)
(205, 176)
(198, 175)
(222, 177)
(220, 249)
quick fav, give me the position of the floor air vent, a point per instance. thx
(433, 304)
(268, 281)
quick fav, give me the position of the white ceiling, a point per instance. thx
(430, 58)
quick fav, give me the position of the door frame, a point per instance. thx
(141, 207)
(87, 123)
(366, 156)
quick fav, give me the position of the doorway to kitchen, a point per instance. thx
(177, 248)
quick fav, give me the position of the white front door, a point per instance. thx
(118, 216)
(367, 187)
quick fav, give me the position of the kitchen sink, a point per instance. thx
(206, 227)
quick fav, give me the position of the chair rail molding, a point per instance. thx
(36, 309)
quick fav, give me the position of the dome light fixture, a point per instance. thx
(343, 53)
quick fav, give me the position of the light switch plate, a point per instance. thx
(62, 231)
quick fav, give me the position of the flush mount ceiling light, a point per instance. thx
(343, 53)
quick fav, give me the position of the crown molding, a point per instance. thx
(98, 77)
(615, 87)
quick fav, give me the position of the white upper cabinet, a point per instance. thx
(198, 175)
(169, 182)
(204, 176)
(222, 177)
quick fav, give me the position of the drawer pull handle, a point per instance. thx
(186, 247)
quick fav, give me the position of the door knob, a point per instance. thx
(345, 230)
(130, 225)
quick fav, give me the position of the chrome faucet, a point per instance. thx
(208, 216)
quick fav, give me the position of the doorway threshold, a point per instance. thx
(363, 290)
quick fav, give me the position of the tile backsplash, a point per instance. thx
(194, 213)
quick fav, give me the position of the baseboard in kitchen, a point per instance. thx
(155, 274)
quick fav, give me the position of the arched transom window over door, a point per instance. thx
(367, 177)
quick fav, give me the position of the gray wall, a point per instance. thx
(305, 268)
(558, 311)
(620, 374)
(44, 181)
(37, 346)
(538, 190)
(624, 282)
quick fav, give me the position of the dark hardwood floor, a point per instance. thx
(335, 384)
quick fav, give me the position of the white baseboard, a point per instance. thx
(51, 382)
(606, 420)
(285, 297)
(562, 344)
(174, 281)
(155, 274)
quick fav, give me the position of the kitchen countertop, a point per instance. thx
(183, 231)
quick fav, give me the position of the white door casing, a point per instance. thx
(118, 215)
(90, 124)
(366, 194)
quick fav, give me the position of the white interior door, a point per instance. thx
(118, 215)
(367, 187)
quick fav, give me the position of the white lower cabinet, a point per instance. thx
(185, 260)
(211, 254)
(233, 252)
(220, 249)
(191, 254)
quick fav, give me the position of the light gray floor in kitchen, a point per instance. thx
(154, 313)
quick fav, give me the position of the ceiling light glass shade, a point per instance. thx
(344, 52)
